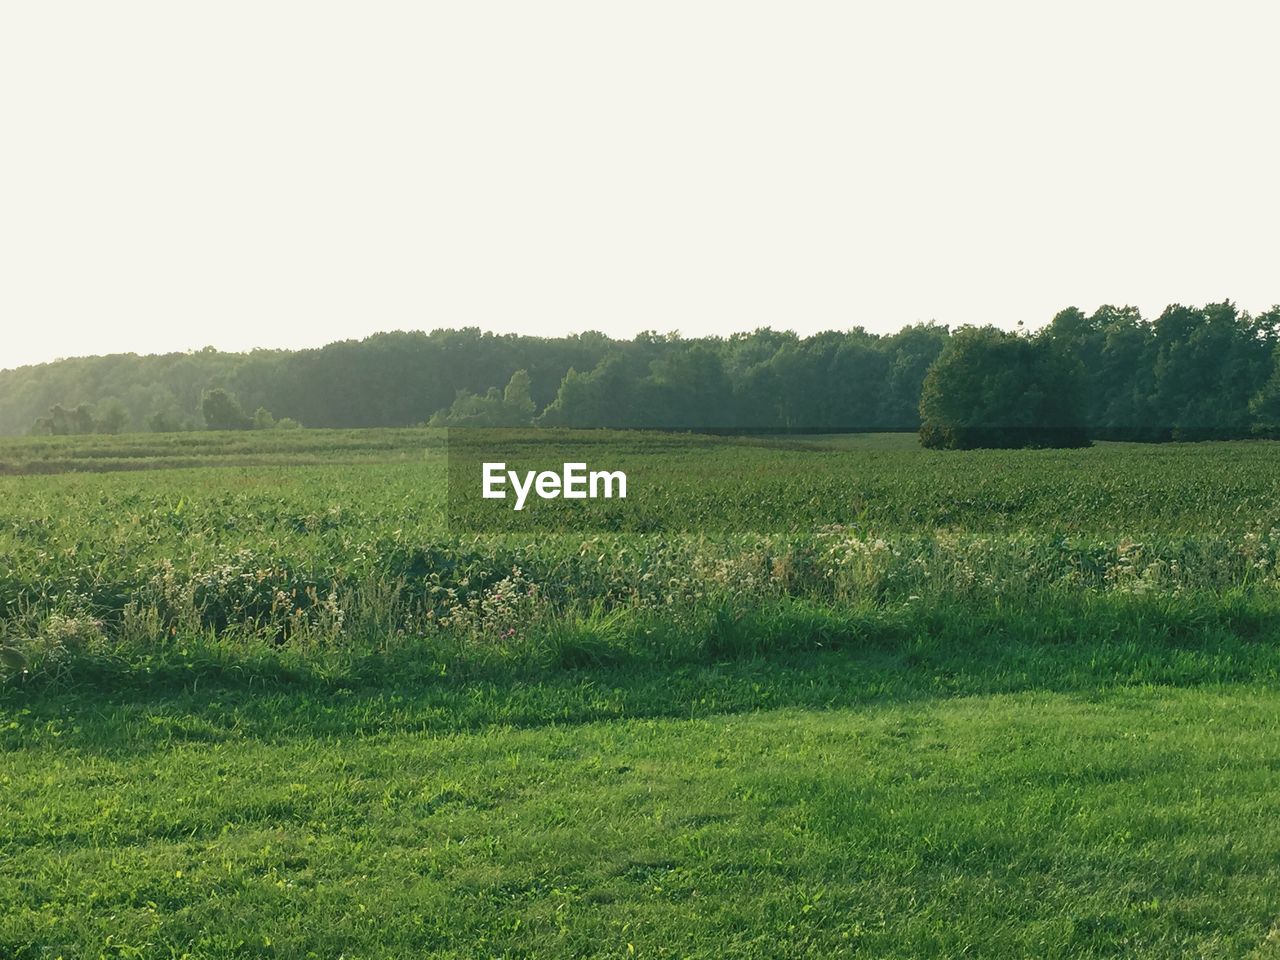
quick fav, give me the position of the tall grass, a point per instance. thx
(303, 561)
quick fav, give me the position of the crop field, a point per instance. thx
(299, 694)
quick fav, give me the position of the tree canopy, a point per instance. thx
(1191, 373)
(991, 388)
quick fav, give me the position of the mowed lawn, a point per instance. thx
(1140, 821)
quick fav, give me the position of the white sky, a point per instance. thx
(271, 173)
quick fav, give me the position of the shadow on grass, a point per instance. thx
(798, 660)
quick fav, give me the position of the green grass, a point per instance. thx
(1095, 783)
(685, 483)
(279, 701)
(110, 453)
(1134, 821)
(349, 549)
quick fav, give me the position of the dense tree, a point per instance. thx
(61, 422)
(167, 420)
(992, 388)
(617, 393)
(1209, 363)
(516, 400)
(1264, 407)
(511, 407)
(222, 411)
(1192, 373)
(108, 417)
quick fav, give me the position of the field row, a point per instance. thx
(362, 553)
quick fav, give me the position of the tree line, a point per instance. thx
(1191, 373)
(762, 379)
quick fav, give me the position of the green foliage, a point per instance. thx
(844, 696)
(761, 380)
(263, 420)
(1264, 408)
(108, 417)
(602, 397)
(354, 541)
(167, 421)
(1190, 374)
(990, 388)
(512, 407)
(221, 411)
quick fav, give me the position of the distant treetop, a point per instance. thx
(1191, 373)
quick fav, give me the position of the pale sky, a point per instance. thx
(271, 173)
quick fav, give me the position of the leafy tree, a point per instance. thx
(80, 420)
(61, 422)
(512, 407)
(911, 352)
(575, 403)
(1208, 365)
(1264, 408)
(517, 403)
(222, 411)
(614, 394)
(689, 388)
(991, 388)
(1192, 373)
(110, 416)
(166, 421)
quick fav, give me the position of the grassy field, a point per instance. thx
(278, 696)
